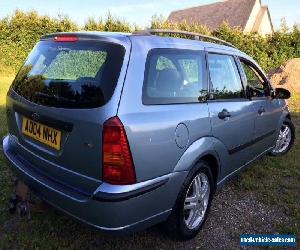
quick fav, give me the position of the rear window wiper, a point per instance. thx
(54, 97)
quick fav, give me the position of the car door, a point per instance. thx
(267, 109)
(231, 112)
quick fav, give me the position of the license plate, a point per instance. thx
(42, 133)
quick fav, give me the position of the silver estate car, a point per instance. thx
(125, 131)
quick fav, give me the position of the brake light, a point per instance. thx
(65, 39)
(117, 161)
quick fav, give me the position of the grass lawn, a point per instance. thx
(274, 181)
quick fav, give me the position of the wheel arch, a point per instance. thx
(208, 149)
(214, 165)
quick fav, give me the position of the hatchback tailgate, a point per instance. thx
(59, 101)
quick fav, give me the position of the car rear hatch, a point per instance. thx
(68, 87)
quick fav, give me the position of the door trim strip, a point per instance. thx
(250, 143)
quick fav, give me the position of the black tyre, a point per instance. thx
(285, 140)
(193, 203)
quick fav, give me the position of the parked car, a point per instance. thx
(125, 131)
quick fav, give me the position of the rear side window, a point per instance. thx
(80, 74)
(225, 79)
(174, 76)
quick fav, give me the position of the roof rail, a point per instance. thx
(196, 36)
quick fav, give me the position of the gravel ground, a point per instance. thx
(232, 213)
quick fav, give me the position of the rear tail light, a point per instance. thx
(65, 39)
(117, 164)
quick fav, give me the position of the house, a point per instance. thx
(249, 15)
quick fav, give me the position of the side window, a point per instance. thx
(255, 83)
(224, 76)
(174, 76)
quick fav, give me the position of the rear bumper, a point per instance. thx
(111, 207)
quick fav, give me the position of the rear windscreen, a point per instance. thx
(80, 74)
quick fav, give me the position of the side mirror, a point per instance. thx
(281, 93)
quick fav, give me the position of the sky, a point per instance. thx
(135, 11)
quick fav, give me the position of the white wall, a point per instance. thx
(265, 26)
(252, 18)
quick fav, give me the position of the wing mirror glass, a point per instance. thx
(281, 93)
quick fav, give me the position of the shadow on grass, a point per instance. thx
(6, 176)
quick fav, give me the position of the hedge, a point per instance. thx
(270, 51)
(20, 31)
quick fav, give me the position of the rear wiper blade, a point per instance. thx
(55, 97)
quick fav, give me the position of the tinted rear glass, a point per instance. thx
(80, 74)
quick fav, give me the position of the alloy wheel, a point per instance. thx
(284, 139)
(196, 201)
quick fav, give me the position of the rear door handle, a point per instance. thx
(224, 114)
(261, 110)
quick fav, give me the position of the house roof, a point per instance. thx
(235, 12)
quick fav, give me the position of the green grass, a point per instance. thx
(5, 175)
(274, 181)
(4, 84)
